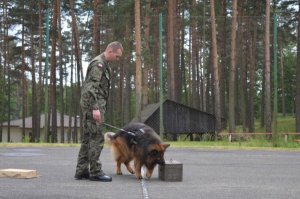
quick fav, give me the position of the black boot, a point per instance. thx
(102, 178)
(84, 175)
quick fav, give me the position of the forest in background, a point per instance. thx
(218, 57)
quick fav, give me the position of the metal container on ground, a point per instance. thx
(171, 171)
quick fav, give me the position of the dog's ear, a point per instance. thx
(109, 138)
(165, 146)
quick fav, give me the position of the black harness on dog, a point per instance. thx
(132, 133)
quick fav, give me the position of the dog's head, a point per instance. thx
(108, 137)
(156, 155)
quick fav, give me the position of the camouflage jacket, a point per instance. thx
(95, 89)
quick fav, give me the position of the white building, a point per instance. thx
(16, 129)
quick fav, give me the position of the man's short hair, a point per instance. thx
(114, 46)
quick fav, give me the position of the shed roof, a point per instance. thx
(151, 108)
(178, 118)
(148, 111)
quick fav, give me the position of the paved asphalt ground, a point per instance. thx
(207, 174)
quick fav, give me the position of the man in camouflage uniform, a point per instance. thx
(94, 94)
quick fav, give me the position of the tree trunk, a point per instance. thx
(5, 56)
(127, 96)
(40, 84)
(232, 72)
(34, 95)
(61, 86)
(183, 66)
(24, 91)
(282, 79)
(122, 94)
(262, 102)
(177, 37)
(209, 84)
(71, 97)
(78, 64)
(9, 90)
(268, 116)
(111, 99)
(298, 77)
(190, 101)
(251, 52)
(155, 52)
(126, 90)
(53, 75)
(194, 55)
(217, 104)
(138, 71)
(240, 113)
(76, 41)
(171, 77)
(223, 69)
(96, 28)
(148, 56)
(252, 62)
(204, 77)
(2, 74)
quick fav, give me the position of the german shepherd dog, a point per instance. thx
(138, 142)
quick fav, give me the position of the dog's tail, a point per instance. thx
(108, 137)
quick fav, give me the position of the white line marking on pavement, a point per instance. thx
(144, 189)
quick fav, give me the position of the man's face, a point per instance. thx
(115, 56)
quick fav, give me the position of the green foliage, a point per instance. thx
(255, 144)
(285, 124)
(26, 139)
(260, 141)
(290, 62)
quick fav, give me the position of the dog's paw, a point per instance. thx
(148, 176)
(139, 177)
(132, 172)
(149, 173)
(119, 173)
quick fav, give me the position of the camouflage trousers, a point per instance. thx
(91, 146)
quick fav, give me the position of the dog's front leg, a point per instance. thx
(149, 173)
(118, 168)
(138, 168)
(129, 167)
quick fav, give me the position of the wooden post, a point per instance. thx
(286, 138)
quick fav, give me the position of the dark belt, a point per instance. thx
(88, 115)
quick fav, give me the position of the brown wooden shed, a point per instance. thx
(178, 118)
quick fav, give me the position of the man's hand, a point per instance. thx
(97, 116)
